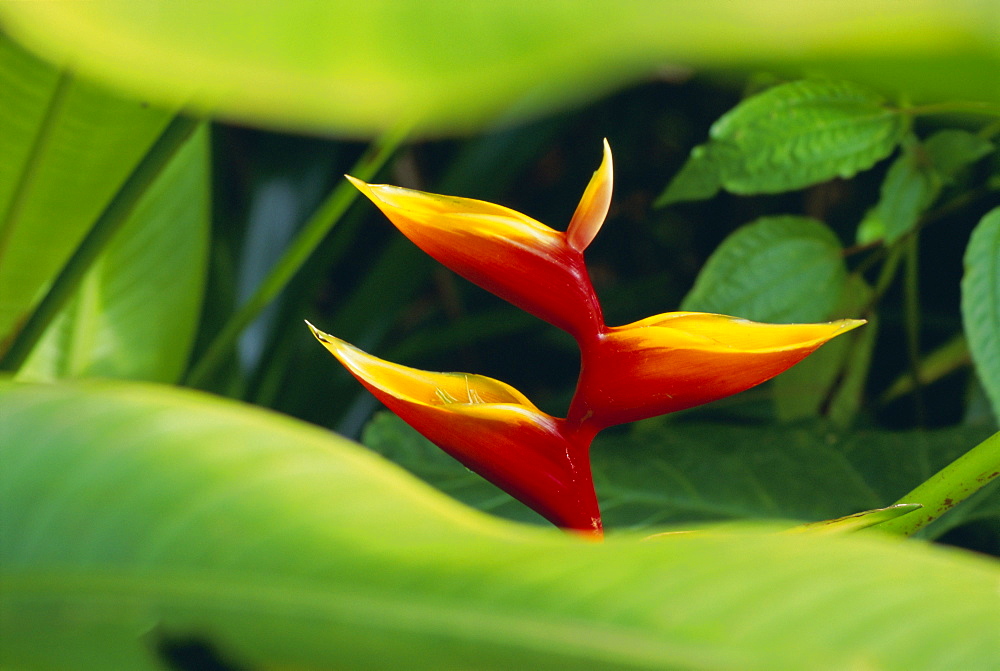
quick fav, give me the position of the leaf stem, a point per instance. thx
(305, 243)
(949, 487)
(110, 221)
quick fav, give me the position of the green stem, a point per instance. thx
(305, 243)
(948, 487)
(107, 224)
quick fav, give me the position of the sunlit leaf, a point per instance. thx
(142, 522)
(450, 66)
(65, 148)
(135, 313)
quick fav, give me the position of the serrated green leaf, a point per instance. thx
(65, 149)
(142, 521)
(802, 133)
(783, 269)
(150, 275)
(981, 303)
(830, 382)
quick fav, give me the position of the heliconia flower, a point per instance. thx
(537, 268)
(491, 428)
(678, 360)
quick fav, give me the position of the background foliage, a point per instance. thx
(152, 527)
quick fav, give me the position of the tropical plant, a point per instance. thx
(174, 493)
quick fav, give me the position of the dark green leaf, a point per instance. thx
(666, 472)
(389, 436)
(783, 269)
(981, 303)
(144, 525)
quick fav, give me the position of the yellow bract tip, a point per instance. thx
(594, 205)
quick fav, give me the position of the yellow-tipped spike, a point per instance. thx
(593, 207)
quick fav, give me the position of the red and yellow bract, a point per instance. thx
(657, 365)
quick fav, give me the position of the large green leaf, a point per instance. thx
(776, 269)
(143, 524)
(65, 148)
(151, 275)
(450, 66)
(788, 137)
(981, 303)
(665, 472)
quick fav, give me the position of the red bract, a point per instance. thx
(491, 428)
(535, 267)
(657, 365)
(678, 360)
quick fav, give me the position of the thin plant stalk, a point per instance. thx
(305, 243)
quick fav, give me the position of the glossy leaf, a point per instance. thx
(780, 269)
(791, 136)
(981, 303)
(65, 148)
(451, 66)
(137, 310)
(141, 521)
